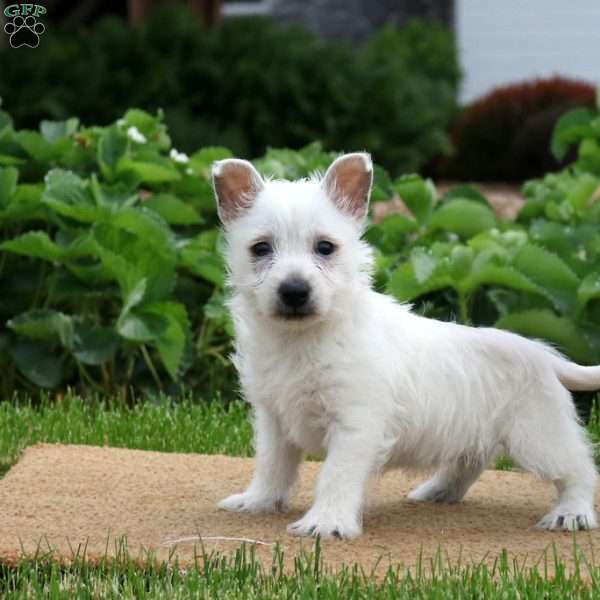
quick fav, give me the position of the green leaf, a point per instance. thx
(201, 161)
(506, 243)
(589, 156)
(173, 210)
(140, 327)
(36, 145)
(423, 263)
(581, 190)
(389, 235)
(216, 310)
(55, 130)
(44, 324)
(461, 261)
(588, 289)
(507, 301)
(131, 257)
(10, 161)
(27, 194)
(36, 244)
(556, 237)
(465, 218)
(501, 276)
(202, 257)
(550, 273)
(149, 226)
(38, 362)
(570, 128)
(418, 195)
(149, 172)
(93, 345)
(92, 275)
(404, 285)
(112, 147)
(544, 324)
(25, 206)
(135, 296)
(196, 192)
(383, 188)
(172, 341)
(465, 192)
(141, 119)
(69, 195)
(8, 184)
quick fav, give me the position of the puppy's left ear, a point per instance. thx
(236, 183)
(348, 183)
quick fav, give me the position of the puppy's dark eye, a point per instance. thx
(324, 248)
(261, 249)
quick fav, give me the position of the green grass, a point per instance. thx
(242, 576)
(193, 426)
(166, 426)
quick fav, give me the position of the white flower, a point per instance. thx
(180, 157)
(121, 123)
(136, 135)
(189, 171)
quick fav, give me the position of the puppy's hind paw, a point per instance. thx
(252, 503)
(430, 492)
(560, 520)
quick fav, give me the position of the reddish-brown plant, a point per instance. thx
(505, 135)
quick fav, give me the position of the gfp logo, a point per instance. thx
(24, 28)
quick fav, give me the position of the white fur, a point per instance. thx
(375, 386)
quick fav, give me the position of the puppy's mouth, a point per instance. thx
(299, 313)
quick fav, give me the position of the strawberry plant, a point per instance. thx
(539, 276)
(110, 269)
(112, 277)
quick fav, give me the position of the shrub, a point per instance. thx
(109, 270)
(505, 136)
(539, 277)
(246, 84)
(112, 277)
(110, 264)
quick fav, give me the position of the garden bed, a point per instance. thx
(67, 498)
(506, 199)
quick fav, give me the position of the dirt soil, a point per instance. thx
(62, 497)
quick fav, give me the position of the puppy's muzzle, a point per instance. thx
(294, 298)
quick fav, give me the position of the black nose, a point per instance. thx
(294, 292)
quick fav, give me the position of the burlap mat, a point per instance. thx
(66, 498)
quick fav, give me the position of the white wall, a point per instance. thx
(503, 41)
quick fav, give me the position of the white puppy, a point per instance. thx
(330, 365)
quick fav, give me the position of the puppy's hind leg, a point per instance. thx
(450, 483)
(551, 443)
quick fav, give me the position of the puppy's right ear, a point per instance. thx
(236, 183)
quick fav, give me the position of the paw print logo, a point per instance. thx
(24, 31)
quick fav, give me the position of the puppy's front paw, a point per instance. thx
(565, 520)
(249, 502)
(327, 525)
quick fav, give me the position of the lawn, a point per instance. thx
(164, 426)
(190, 426)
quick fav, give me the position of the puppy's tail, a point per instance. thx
(576, 377)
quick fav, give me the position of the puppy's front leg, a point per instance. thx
(337, 510)
(276, 468)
